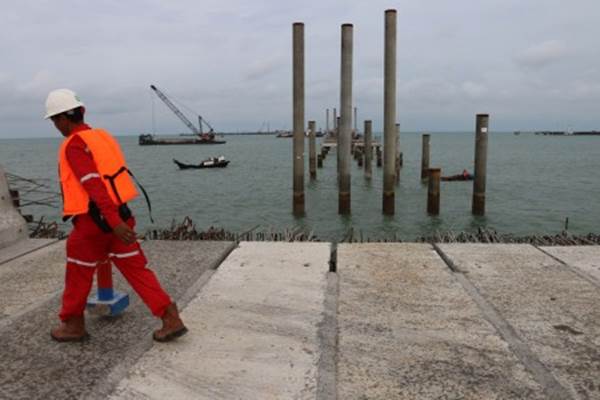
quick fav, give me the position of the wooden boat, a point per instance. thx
(214, 162)
(459, 177)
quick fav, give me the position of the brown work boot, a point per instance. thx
(71, 330)
(172, 325)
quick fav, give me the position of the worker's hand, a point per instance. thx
(125, 233)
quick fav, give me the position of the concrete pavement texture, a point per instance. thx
(397, 321)
(552, 310)
(22, 248)
(30, 279)
(254, 331)
(35, 367)
(586, 259)
(408, 330)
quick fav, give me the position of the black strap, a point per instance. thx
(145, 194)
(111, 179)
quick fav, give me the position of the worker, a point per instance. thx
(96, 186)
(466, 175)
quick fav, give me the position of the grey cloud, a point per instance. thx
(262, 68)
(231, 61)
(542, 54)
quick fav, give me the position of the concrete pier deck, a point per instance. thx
(408, 330)
(395, 321)
(35, 367)
(254, 331)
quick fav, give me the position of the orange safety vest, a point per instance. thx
(111, 166)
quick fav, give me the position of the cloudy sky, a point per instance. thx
(531, 64)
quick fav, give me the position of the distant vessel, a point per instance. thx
(568, 133)
(587, 133)
(284, 134)
(196, 137)
(290, 134)
(517, 132)
(149, 140)
(551, 133)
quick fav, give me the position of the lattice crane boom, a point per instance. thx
(174, 108)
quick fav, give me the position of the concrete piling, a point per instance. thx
(368, 149)
(312, 150)
(319, 161)
(389, 113)
(425, 157)
(327, 121)
(398, 161)
(481, 141)
(433, 191)
(298, 123)
(335, 122)
(355, 121)
(337, 140)
(345, 129)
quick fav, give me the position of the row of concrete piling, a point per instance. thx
(391, 157)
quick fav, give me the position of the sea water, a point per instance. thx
(533, 184)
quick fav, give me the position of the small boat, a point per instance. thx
(213, 162)
(465, 176)
(284, 134)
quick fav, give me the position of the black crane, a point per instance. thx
(169, 103)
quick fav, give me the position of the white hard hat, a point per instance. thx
(61, 100)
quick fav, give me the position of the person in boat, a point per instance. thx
(96, 187)
(466, 175)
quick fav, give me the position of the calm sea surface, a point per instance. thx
(533, 184)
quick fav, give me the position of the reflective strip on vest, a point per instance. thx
(108, 158)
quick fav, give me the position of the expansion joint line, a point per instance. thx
(582, 274)
(552, 388)
(328, 335)
(333, 257)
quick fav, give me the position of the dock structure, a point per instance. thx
(270, 320)
(316, 320)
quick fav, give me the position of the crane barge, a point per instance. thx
(197, 136)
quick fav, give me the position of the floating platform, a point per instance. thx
(149, 140)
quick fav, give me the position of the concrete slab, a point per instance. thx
(35, 367)
(23, 247)
(31, 279)
(585, 258)
(408, 330)
(253, 331)
(551, 308)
